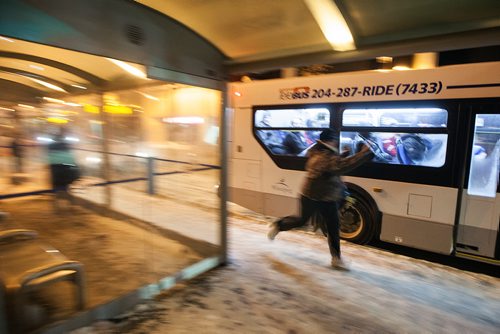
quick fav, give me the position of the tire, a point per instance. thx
(357, 220)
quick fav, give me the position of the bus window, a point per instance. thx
(483, 175)
(396, 117)
(288, 142)
(290, 132)
(286, 118)
(418, 149)
(417, 136)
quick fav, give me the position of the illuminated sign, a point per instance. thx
(57, 120)
(91, 109)
(121, 110)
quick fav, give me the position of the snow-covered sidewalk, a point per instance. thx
(287, 286)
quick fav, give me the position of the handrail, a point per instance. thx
(38, 272)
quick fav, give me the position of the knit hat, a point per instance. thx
(328, 135)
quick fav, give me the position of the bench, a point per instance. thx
(26, 265)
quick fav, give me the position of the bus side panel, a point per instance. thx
(479, 223)
(414, 215)
(244, 145)
(244, 180)
(281, 188)
(245, 169)
(280, 206)
(419, 201)
(417, 233)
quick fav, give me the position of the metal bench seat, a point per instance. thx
(26, 264)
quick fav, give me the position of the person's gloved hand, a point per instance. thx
(375, 148)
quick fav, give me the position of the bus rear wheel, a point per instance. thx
(357, 223)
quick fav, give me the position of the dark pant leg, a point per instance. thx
(330, 215)
(307, 208)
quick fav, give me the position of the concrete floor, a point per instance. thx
(287, 286)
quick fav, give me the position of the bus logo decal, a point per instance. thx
(281, 186)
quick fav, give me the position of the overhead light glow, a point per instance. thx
(129, 68)
(78, 86)
(73, 139)
(151, 97)
(93, 159)
(401, 68)
(47, 84)
(49, 99)
(332, 23)
(8, 109)
(6, 39)
(36, 67)
(237, 93)
(184, 120)
(26, 106)
(44, 139)
(52, 100)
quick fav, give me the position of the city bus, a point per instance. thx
(433, 183)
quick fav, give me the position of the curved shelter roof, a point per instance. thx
(267, 34)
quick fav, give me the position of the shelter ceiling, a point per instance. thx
(285, 32)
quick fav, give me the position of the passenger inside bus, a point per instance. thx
(295, 141)
(273, 139)
(484, 177)
(399, 148)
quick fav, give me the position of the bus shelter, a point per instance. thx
(138, 101)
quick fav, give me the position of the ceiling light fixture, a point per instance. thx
(37, 67)
(151, 97)
(25, 106)
(129, 68)
(49, 99)
(47, 84)
(332, 23)
(7, 109)
(78, 86)
(6, 39)
(402, 63)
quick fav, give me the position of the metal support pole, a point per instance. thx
(223, 178)
(105, 148)
(151, 174)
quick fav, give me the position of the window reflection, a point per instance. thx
(295, 118)
(483, 177)
(396, 117)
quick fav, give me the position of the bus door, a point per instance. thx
(480, 208)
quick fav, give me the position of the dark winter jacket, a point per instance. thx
(324, 167)
(294, 143)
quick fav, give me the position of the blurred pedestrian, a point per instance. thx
(63, 168)
(322, 191)
(17, 153)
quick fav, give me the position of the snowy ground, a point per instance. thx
(286, 286)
